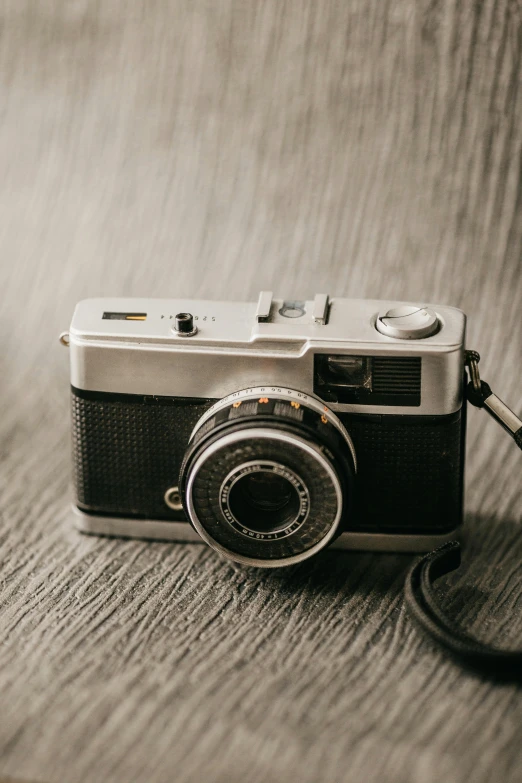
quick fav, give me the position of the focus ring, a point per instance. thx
(264, 395)
(273, 410)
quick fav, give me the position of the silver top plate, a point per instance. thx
(233, 350)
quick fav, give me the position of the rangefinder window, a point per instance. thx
(368, 380)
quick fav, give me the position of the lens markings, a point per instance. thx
(280, 470)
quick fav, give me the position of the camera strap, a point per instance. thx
(419, 591)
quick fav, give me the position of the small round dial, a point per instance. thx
(408, 322)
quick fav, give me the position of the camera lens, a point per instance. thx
(264, 498)
(267, 477)
(264, 501)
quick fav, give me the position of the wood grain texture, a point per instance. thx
(213, 149)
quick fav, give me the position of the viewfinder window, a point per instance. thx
(348, 371)
(368, 380)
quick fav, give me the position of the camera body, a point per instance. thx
(269, 430)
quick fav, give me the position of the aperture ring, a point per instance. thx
(259, 399)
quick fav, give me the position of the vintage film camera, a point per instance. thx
(269, 430)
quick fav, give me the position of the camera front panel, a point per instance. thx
(128, 450)
(410, 476)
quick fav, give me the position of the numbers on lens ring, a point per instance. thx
(258, 390)
(204, 318)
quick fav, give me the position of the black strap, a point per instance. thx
(421, 601)
(479, 394)
(420, 596)
(478, 398)
(475, 397)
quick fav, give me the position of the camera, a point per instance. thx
(272, 429)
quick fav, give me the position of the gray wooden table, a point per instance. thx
(211, 149)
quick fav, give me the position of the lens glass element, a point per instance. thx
(264, 499)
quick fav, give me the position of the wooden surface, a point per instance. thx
(211, 149)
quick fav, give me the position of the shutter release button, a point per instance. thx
(407, 322)
(184, 325)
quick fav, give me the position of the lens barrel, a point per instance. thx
(268, 480)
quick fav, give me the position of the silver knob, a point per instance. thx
(408, 322)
